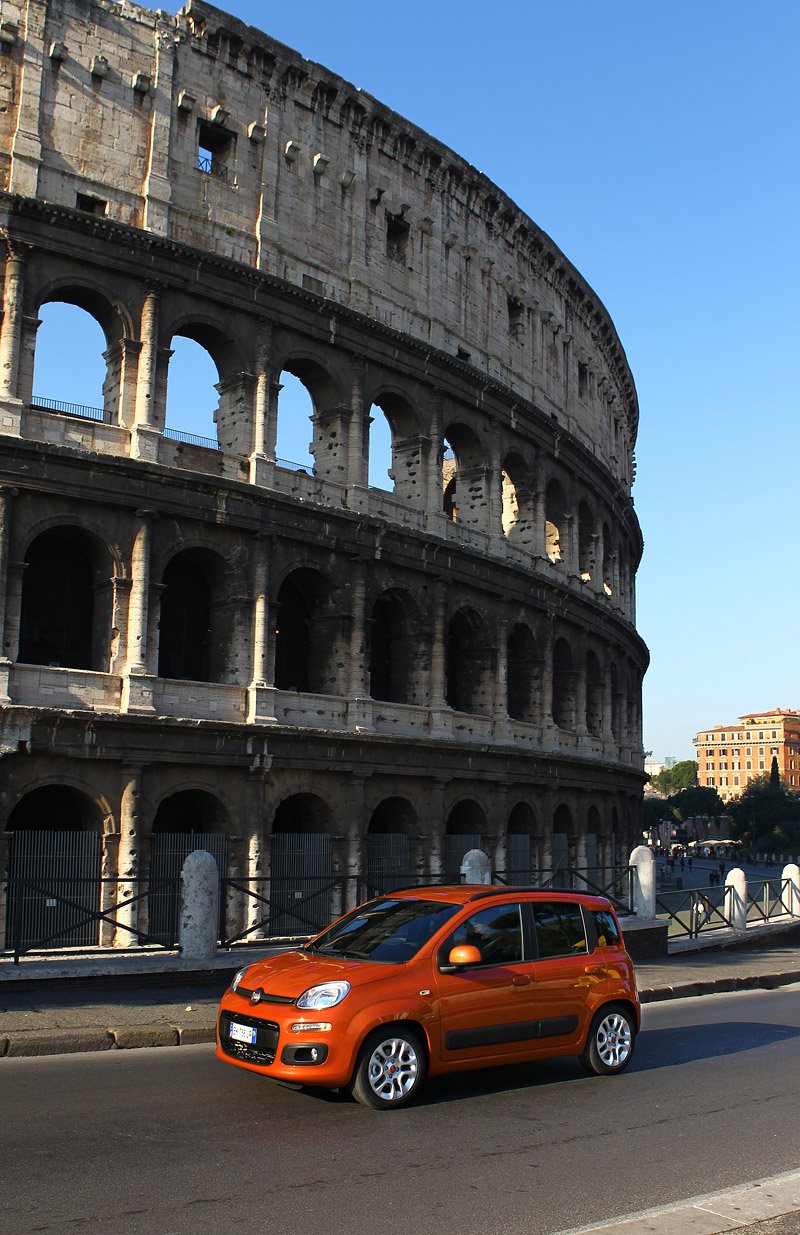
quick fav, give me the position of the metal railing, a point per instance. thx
(695, 910)
(295, 467)
(192, 439)
(77, 904)
(768, 899)
(210, 166)
(615, 885)
(81, 410)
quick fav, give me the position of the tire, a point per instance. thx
(391, 1067)
(610, 1042)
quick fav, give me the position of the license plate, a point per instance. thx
(242, 1033)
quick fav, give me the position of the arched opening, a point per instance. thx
(522, 674)
(615, 703)
(192, 395)
(608, 562)
(70, 368)
(555, 521)
(594, 695)
(449, 470)
(510, 502)
(564, 686)
(520, 845)
(390, 860)
(562, 841)
(189, 820)
(586, 543)
(465, 830)
(194, 629)
(301, 866)
(468, 664)
(293, 448)
(464, 494)
(66, 601)
(392, 650)
(516, 502)
(307, 648)
(380, 450)
(55, 867)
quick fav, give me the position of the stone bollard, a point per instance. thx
(476, 867)
(199, 921)
(791, 872)
(736, 899)
(644, 882)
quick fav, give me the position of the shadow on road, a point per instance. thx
(664, 1048)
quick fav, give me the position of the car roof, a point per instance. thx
(462, 893)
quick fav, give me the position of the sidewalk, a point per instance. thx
(51, 1007)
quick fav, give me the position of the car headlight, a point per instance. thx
(326, 995)
(237, 977)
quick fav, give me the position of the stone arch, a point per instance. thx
(405, 468)
(303, 855)
(469, 664)
(330, 409)
(392, 845)
(587, 542)
(465, 829)
(309, 641)
(393, 643)
(517, 501)
(184, 820)
(67, 600)
(565, 684)
(594, 695)
(57, 807)
(194, 633)
(555, 506)
(233, 414)
(464, 495)
(523, 675)
(521, 844)
(191, 810)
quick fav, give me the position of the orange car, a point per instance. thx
(433, 980)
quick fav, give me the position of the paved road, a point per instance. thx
(170, 1142)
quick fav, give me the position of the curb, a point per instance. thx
(39, 1042)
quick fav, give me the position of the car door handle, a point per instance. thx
(596, 970)
(520, 979)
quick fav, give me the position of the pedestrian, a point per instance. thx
(691, 861)
(701, 912)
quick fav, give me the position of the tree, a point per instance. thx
(767, 815)
(672, 780)
(696, 801)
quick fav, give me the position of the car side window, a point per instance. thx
(608, 935)
(560, 929)
(495, 932)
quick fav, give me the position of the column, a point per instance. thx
(359, 706)
(260, 696)
(580, 688)
(137, 695)
(144, 438)
(438, 668)
(7, 495)
(434, 514)
(157, 186)
(127, 916)
(357, 438)
(500, 711)
(539, 521)
(265, 425)
(11, 338)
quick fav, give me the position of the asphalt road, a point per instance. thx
(171, 1142)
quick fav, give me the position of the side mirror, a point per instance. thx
(464, 954)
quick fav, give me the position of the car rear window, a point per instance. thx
(390, 930)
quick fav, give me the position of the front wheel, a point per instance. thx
(609, 1046)
(390, 1069)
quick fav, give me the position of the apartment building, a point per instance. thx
(730, 756)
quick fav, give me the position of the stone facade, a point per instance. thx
(203, 639)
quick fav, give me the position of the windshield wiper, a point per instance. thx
(341, 952)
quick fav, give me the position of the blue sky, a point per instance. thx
(658, 146)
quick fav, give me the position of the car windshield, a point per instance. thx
(384, 930)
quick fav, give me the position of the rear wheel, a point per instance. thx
(390, 1068)
(609, 1046)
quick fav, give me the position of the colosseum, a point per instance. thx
(333, 686)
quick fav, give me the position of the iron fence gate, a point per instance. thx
(455, 847)
(518, 858)
(53, 888)
(388, 863)
(168, 852)
(300, 885)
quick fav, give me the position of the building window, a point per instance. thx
(723, 780)
(736, 780)
(398, 230)
(736, 765)
(583, 380)
(711, 782)
(91, 205)
(749, 765)
(761, 765)
(749, 751)
(215, 150)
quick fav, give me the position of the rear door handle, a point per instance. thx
(596, 970)
(520, 979)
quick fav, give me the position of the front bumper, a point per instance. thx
(313, 1057)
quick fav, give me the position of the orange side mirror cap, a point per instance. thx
(464, 954)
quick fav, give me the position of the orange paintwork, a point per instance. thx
(564, 991)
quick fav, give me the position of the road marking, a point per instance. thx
(710, 1214)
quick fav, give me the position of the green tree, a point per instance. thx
(767, 815)
(672, 780)
(696, 801)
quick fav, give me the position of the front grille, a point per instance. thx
(245, 993)
(266, 1044)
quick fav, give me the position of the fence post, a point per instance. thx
(736, 898)
(199, 920)
(644, 882)
(791, 873)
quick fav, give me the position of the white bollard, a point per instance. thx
(644, 882)
(736, 899)
(199, 921)
(791, 895)
(476, 867)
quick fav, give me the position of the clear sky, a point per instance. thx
(658, 145)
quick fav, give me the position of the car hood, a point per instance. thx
(291, 973)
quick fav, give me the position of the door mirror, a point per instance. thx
(464, 954)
